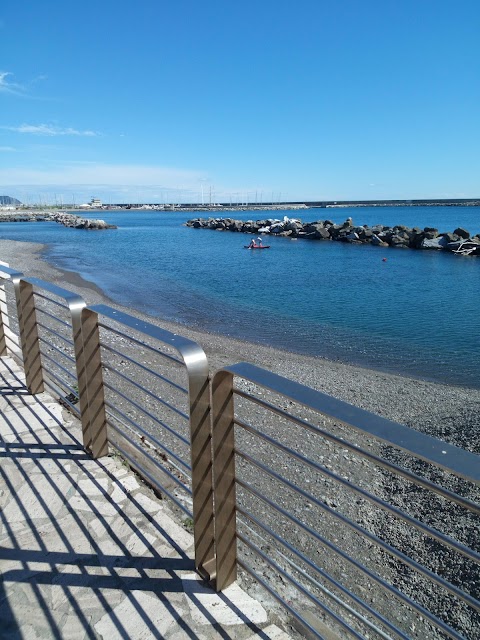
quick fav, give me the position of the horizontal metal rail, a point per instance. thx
(141, 366)
(144, 449)
(366, 534)
(53, 317)
(381, 582)
(152, 417)
(334, 583)
(134, 340)
(54, 348)
(381, 462)
(52, 332)
(147, 392)
(307, 594)
(143, 433)
(44, 297)
(57, 364)
(425, 529)
(454, 459)
(151, 477)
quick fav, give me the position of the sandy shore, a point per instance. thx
(450, 413)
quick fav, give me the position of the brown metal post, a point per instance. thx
(86, 339)
(224, 479)
(3, 320)
(27, 321)
(201, 460)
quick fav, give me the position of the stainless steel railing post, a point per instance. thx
(27, 322)
(5, 329)
(201, 462)
(86, 338)
(3, 316)
(224, 479)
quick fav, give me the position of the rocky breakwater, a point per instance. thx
(399, 237)
(67, 219)
(76, 222)
(24, 216)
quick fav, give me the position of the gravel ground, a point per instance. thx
(449, 413)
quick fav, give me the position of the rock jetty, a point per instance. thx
(398, 237)
(71, 220)
(67, 219)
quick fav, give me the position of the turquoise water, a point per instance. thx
(418, 313)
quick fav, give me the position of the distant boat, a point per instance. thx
(257, 246)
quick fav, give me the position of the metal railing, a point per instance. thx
(352, 522)
(158, 413)
(348, 523)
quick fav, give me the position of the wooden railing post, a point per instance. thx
(224, 479)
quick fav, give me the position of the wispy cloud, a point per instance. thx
(50, 130)
(7, 86)
(7, 149)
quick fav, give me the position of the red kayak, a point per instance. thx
(263, 246)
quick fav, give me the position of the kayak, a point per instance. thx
(264, 246)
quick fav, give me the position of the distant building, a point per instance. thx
(94, 203)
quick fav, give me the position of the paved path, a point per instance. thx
(88, 552)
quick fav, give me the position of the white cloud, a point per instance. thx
(6, 86)
(50, 130)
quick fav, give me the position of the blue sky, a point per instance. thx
(254, 100)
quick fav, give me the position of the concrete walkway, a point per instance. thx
(88, 552)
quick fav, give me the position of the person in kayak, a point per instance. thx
(260, 242)
(252, 244)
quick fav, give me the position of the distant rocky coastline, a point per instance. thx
(67, 219)
(458, 241)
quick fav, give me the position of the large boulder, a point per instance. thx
(417, 236)
(399, 240)
(463, 233)
(312, 227)
(292, 225)
(440, 242)
(377, 241)
(322, 234)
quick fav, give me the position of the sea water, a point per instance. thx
(415, 313)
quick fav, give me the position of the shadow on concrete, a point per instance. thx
(77, 549)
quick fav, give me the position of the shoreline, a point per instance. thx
(451, 413)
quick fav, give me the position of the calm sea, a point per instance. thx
(417, 313)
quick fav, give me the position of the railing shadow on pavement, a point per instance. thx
(51, 553)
